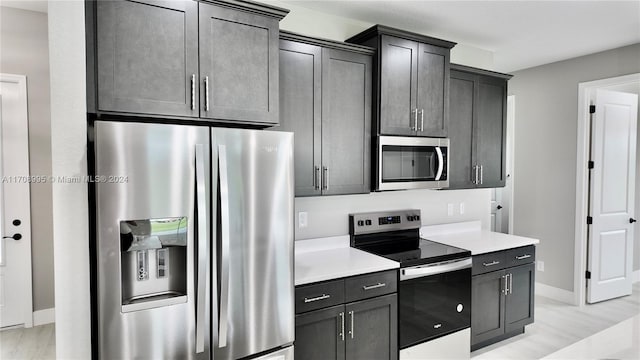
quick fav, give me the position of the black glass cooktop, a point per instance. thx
(408, 249)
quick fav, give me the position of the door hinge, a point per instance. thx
(587, 274)
(591, 164)
(592, 109)
(589, 220)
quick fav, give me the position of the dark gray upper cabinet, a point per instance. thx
(411, 82)
(147, 55)
(214, 60)
(478, 123)
(325, 100)
(238, 65)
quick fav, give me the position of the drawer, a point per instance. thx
(521, 255)
(484, 263)
(320, 295)
(371, 285)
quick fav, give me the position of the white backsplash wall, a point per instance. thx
(329, 215)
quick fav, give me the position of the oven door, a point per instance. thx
(412, 163)
(435, 300)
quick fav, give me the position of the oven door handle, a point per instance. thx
(434, 269)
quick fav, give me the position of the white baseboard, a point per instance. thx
(555, 293)
(45, 316)
(635, 277)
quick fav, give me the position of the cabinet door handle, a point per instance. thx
(522, 257)
(193, 91)
(415, 120)
(421, 120)
(475, 179)
(351, 331)
(316, 178)
(481, 174)
(317, 298)
(341, 326)
(206, 93)
(494, 262)
(325, 178)
(504, 286)
(371, 287)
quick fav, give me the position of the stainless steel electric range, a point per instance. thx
(434, 295)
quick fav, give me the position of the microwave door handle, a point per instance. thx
(440, 163)
(224, 251)
(203, 241)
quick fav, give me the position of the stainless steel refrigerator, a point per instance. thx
(194, 242)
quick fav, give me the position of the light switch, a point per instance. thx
(302, 219)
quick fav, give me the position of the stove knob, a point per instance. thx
(417, 217)
(368, 222)
(410, 217)
(360, 223)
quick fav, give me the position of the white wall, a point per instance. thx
(69, 158)
(24, 50)
(546, 152)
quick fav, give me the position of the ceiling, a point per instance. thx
(521, 34)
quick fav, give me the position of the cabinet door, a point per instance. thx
(520, 300)
(147, 54)
(398, 69)
(300, 110)
(346, 122)
(487, 306)
(372, 329)
(491, 128)
(239, 57)
(462, 96)
(319, 334)
(432, 99)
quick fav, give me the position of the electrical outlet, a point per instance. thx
(540, 265)
(449, 209)
(302, 219)
(461, 208)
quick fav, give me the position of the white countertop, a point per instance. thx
(470, 236)
(332, 258)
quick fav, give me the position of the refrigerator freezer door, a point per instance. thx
(160, 176)
(253, 173)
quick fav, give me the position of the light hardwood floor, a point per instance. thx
(36, 343)
(558, 325)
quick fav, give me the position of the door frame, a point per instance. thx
(585, 91)
(21, 81)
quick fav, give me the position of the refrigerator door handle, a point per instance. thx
(224, 251)
(201, 200)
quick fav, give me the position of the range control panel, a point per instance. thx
(375, 222)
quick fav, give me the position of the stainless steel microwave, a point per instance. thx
(411, 163)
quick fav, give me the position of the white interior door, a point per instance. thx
(496, 209)
(15, 224)
(613, 150)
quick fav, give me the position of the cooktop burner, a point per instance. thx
(401, 241)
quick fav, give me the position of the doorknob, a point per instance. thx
(632, 220)
(499, 207)
(14, 237)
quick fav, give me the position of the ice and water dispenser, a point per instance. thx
(153, 260)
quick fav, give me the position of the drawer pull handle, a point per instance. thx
(494, 262)
(522, 257)
(317, 298)
(371, 287)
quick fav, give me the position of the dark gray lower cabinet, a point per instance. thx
(354, 318)
(325, 100)
(477, 128)
(502, 299)
(371, 328)
(319, 334)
